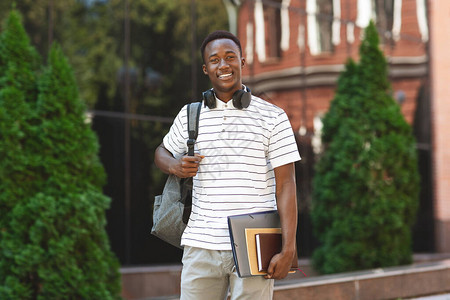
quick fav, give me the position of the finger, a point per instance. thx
(280, 273)
(192, 159)
(270, 270)
(190, 172)
(189, 167)
(187, 174)
(197, 156)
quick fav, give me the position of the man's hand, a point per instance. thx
(187, 166)
(280, 265)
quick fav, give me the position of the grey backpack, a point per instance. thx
(172, 208)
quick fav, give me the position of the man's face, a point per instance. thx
(223, 65)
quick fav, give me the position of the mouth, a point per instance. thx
(225, 76)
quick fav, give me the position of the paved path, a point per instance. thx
(436, 297)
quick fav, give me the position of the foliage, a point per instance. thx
(91, 34)
(53, 244)
(18, 91)
(366, 183)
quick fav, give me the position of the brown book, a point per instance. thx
(267, 245)
(250, 234)
(242, 235)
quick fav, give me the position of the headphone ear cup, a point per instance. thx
(241, 99)
(245, 99)
(209, 99)
(237, 99)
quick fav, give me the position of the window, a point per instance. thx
(383, 12)
(272, 24)
(324, 24)
(320, 24)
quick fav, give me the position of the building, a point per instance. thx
(296, 49)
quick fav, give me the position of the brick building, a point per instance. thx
(439, 19)
(296, 49)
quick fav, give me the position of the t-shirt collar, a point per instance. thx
(224, 105)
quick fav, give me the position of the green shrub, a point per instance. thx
(366, 183)
(53, 243)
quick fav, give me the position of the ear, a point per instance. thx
(242, 62)
(205, 71)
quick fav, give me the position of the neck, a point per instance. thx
(226, 96)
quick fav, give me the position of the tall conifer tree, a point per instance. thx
(18, 90)
(19, 63)
(53, 242)
(366, 183)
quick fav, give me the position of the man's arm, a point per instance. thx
(287, 208)
(185, 167)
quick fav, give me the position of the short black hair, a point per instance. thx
(219, 34)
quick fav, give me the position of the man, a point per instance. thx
(243, 148)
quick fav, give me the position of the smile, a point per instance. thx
(225, 76)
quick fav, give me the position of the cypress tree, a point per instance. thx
(366, 182)
(18, 90)
(53, 243)
(19, 63)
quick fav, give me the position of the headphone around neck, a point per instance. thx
(241, 98)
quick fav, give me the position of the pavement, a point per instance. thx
(435, 297)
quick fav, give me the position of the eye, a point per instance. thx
(214, 60)
(230, 57)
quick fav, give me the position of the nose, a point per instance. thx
(223, 64)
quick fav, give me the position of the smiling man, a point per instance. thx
(223, 65)
(243, 163)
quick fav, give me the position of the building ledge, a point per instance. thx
(327, 75)
(389, 283)
(429, 275)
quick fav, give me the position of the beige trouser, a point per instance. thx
(207, 274)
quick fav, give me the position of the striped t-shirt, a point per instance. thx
(241, 149)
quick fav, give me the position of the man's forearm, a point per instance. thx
(288, 216)
(164, 159)
(287, 206)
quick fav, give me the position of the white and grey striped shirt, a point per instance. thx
(241, 149)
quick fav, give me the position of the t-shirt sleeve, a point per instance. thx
(282, 145)
(175, 139)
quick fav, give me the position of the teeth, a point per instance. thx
(224, 76)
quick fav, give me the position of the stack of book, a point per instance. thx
(255, 239)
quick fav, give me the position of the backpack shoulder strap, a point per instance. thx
(193, 115)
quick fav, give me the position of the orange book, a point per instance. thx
(243, 243)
